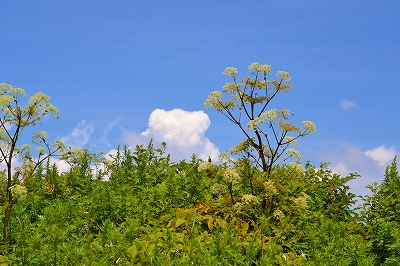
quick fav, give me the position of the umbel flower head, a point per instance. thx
(218, 189)
(18, 192)
(309, 127)
(230, 175)
(301, 202)
(204, 166)
(270, 188)
(230, 71)
(249, 199)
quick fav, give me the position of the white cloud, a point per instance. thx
(371, 164)
(62, 165)
(80, 135)
(347, 104)
(381, 154)
(340, 168)
(183, 131)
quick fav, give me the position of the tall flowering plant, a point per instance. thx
(270, 136)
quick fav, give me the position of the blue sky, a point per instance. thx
(110, 65)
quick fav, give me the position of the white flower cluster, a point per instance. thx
(292, 152)
(230, 71)
(214, 100)
(18, 192)
(218, 189)
(284, 75)
(204, 166)
(263, 69)
(249, 199)
(230, 175)
(270, 189)
(309, 127)
(301, 202)
(232, 87)
(296, 166)
(253, 123)
(40, 135)
(284, 114)
(270, 115)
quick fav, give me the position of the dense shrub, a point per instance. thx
(153, 211)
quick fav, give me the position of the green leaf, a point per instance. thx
(132, 251)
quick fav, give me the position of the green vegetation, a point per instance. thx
(153, 211)
(14, 119)
(138, 207)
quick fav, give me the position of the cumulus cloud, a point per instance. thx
(382, 155)
(80, 135)
(62, 165)
(347, 104)
(347, 158)
(183, 131)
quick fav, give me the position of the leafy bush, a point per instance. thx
(153, 211)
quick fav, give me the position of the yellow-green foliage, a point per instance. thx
(154, 211)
